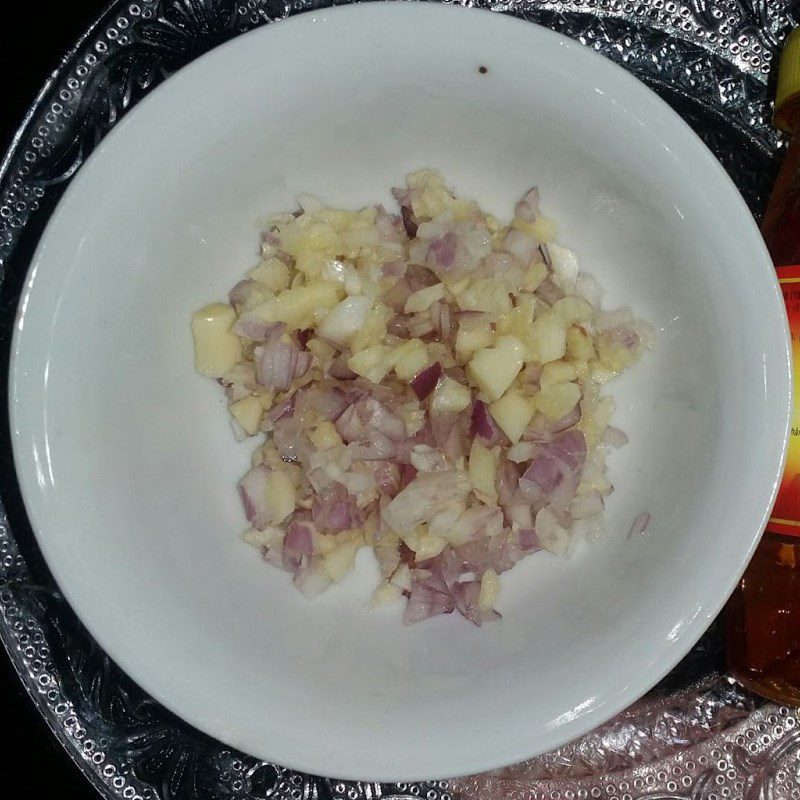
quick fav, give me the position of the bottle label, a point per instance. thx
(785, 517)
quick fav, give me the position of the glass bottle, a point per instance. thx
(764, 612)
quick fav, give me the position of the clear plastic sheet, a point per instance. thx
(697, 736)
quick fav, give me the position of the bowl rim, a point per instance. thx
(694, 628)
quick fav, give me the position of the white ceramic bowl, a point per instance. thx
(128, 466)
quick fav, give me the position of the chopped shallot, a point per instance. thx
(615, 437)
(639, 524)
(426, 383)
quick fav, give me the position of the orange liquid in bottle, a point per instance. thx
(764, 611)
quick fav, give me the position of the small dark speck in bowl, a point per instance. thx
(483, 70)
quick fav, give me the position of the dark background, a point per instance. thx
(30, 49)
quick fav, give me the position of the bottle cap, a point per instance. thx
(788, 81)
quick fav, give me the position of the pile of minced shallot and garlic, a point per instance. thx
(426, 384)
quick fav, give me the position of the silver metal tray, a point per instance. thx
(698, 735)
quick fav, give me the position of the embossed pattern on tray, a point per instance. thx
(698, 735)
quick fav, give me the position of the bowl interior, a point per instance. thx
(128, 465)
